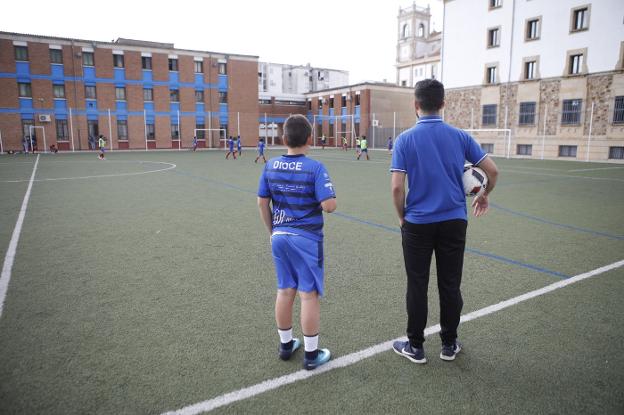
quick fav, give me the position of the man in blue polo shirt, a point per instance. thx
(433, 216)
(293, 193)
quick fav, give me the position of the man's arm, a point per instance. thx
(398, 194)
(265, 212)
(481, 203)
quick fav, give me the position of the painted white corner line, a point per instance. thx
(355, 357)
(9, 258)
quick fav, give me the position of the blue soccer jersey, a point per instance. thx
(432, 154)
(231, 144)
(261, 147)
(296, 185)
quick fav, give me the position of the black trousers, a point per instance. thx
(448, 240)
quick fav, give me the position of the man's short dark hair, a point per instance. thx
(429, 94)
(297, 129)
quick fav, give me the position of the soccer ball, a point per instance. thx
(475, 180)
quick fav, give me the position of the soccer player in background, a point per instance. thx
(239, 146)
(357, 146)
(102, 146)
(323, 141)
(344, 143)
(363, 148)
(260, 151)
(231, 151)
(390, 145)
(194, 143)
(433, 218)
(293, 193)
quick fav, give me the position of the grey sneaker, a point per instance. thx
(406, 350)
(448, 353)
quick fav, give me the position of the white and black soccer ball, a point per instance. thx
(475, 180)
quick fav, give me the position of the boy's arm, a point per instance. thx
(265, 212)
(398, 194)
(329, 205)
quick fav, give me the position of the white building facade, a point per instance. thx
(550, 71)
(276, 79)
(418, 46)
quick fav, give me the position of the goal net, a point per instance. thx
(494, 141)
(211, 137)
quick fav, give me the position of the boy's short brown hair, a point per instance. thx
(297, 130)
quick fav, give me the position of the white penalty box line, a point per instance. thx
(358, 356)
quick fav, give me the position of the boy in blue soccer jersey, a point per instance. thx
(430, 156)
(260, 151)
(239, 146)
(293, 193)
(230, 143)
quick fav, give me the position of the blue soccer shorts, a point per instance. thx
(298, 262)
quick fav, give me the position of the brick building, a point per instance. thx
(138, 94)
(374, 109)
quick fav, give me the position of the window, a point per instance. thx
(357, 99)
(576, 64)
(494, 3)
(222, 68)
(331, 102)
(26, 130)
(87, 59)
(58, 91)
(148, 94)
(618, 110)
(21, 53)
(150, 131)
(343, 101)
(320, 104)
(331, 130)
(24, 89)
(174, 95)
(201, 135)
(56, 56)
(122, 129)
(309, 105)
(527, 113)
(146, 62)
(616, 153)
(580, 19)
(567, 151)
(62, 131)
(489, 114)
(199, 96)
(421, 30)
(405, 32)
(571, 113)
(175, 131)
(488, 147)
(90, 92)
(493, 37)
(199, 67)
(120, 93)
(268, 102)
(223, 98)
(529, 70)
(490, 75)
(524, 149)
(532, 29)
(173, 64)
(118, 61)
(223, 132)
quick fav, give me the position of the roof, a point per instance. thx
(361, 85)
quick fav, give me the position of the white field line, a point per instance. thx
(170, 166)
(9, 258)
(596, 169)
(513, 170)
(356, 357)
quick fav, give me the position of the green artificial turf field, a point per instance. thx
(144, 284)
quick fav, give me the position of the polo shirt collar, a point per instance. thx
(429, 118)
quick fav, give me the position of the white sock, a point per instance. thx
(285, 335)
(310, 343)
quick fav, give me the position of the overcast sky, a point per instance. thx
(357, 36)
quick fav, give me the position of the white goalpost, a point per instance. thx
(209, 139)
(349, 124)
(30, 137)
(496, 141)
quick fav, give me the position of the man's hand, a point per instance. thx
(401, 222)
(481, 205)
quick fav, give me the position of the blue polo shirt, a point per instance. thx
(432, 154)
(296, 185)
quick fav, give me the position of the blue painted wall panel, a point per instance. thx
(199, 79)
(174, 77)
(121, 105)
(149, 106)
(199, 108)
(120, 74)
(147, 76)
(25, 103)
(200, 119)
(60, 105)
(174, 107)
(22, 69)
(223, 82)
(88, 72)
(58, 72)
